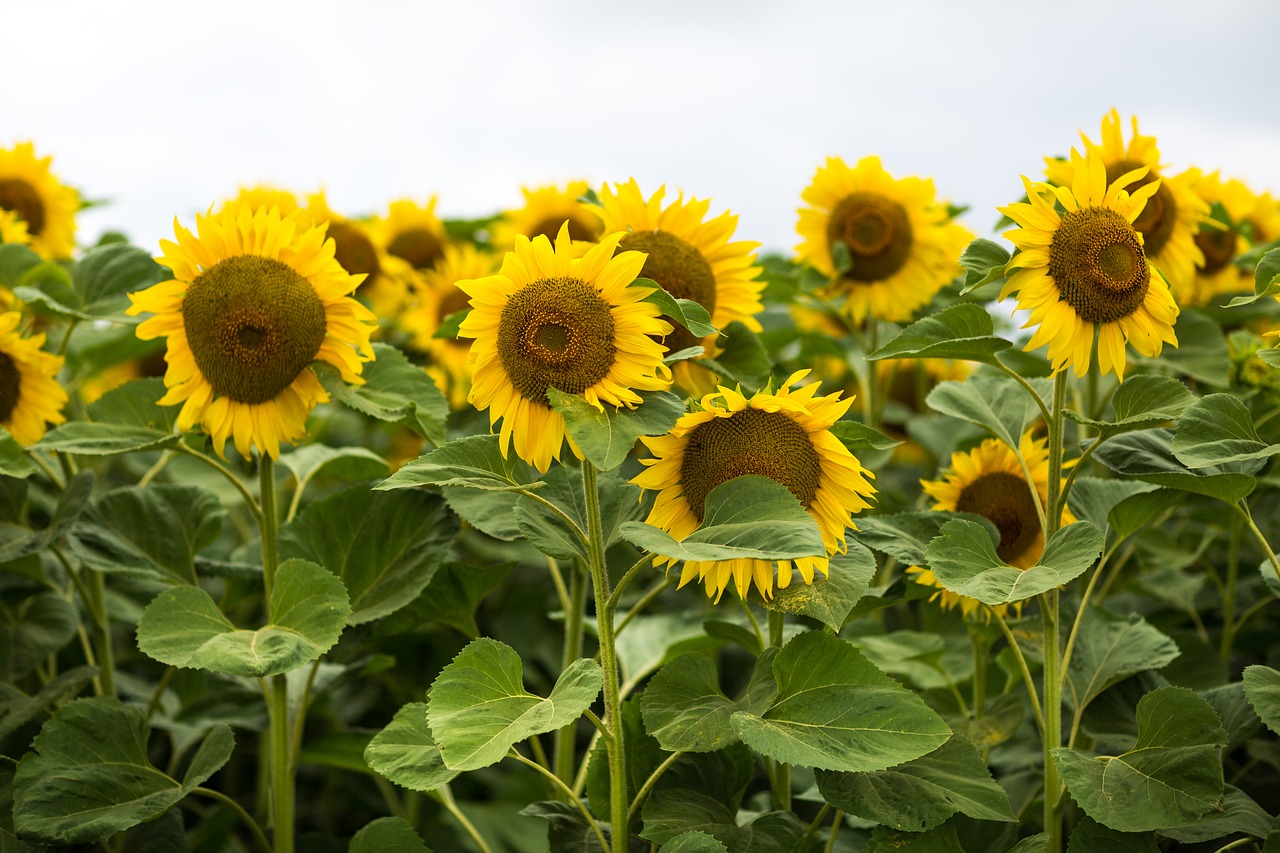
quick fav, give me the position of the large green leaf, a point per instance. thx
(746, 517)
(1266, 280)
(1219, 430)
(347, 463)
(394, 390)
(670, 814)
(1089, 836)
(452, 598)
(385, 546)
(606, 436)
(693, 842)
(835, 711)
(478, 707)
(183, 626)
(14, 461)
(17, 709)
(742, 357)
(387, 835)
(619, 504)
(998, 404)
(90, 438)
(963, 331)
(686, 312)
(830, 598)
(1171, 778)
(1240, 815)
(685, 710)
(32, 629)
(407, 754)
(964, 560)
(104, 274)
(474, 462)
(1137, 511)
(1092, 499)
(922, 793)
(1145, 400)
(905, 535)
(88, 775)
(1262, 686)
(943, 839)
(1148, 455)
(984, 263)
(1109, 649)
(1201, 353)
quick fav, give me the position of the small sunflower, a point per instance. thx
(552, 320)
(30, 396)
(436, 297)
(903, 245)
(385, 287)
(264, 195)
(1218, 243)
(784, 436)
(1263, 217)
(411, 232)
(255, 299)
(546, 208)
(988, 481)
(1172, 214)
(691, 257)
(1084, 269)
(48, 208)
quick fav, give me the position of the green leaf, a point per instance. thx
(1171, 778)
(546, 531)
(995, 403)
(1218, 430)
(830, 598)
(104, 274)
(406, 753)
(964, 560)
(1202, 352)
(183, 626)
(1038, 843)
(474, 462)
(34, 628)
(835, 711)
(742, 357)
(394, 390)
(452, 598)
(1270, 356)
(693, 842)
(385, 546)
(685, 710)
(387, 835)
(606, 437)
(135, 403)
(747, 517)
(1092, 499)
(347, 463)
(478, 707)
(984, 263)
(14, 461)
(858, 438)
(1137, 511)
(1262, 686)
(15, 262)
(923, 793)
(905, 535)
(88, 776)
(1240, 815)
(1266, 280)
(1089, 836)
(940, 840)
(914, 657)
(88, 438)
(963, 331)
(686, 312)
(118, 535)
(643, 755)
(1148, 455)
(1144, 401)
(672, 813)
(17, 709)
(1109, 649)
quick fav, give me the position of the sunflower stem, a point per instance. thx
(608, 660)
(871, 393)
(565, 749)
(1049, 614)
(780, 774)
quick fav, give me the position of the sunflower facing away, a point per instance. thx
(385, 287)
(48, 208)
(30, 396)
(546, 209)
(902, 243)
(255, 299)
(784, 436)
(411, 232)
(550, 320)
(1220, 244)
(1172, 215)
(988, 481)
(691, 257)
(1084, 269)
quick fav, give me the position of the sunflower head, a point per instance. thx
(550, 319)
(264, 196)
(901, 243)
(30, 396)
(47, 207)
(254, 300)
(1219, 242)
(412, 233)
(1081, 267)
(385, 286)
(13, 228)
(784, 435)
(546, 209)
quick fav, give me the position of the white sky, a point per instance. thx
(166, 107)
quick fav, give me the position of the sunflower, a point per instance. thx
(13, 229)
(1084, 269)
(30, 396)
(411, 232)
(988, 481)
(255, 299)
(1219, 243)
(903, 245)
(1173, 213)
(546, 208)
(1263, 217)
(265, 195)
(691, 258)
(387, 278)
(436, 297)
(48, 208)
(550, 320)
(784, 436)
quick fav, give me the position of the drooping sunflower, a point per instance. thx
(1219, 243)
(691, 257)
(784, 435)
(903, 245)
(552, 320)
(255, 299)
(30, 396)
(1171, 217)
(435, 297)
(48, 208)
(988, 481)
(385, 287)
(546, 208)
(1084, 269)
(411, 232)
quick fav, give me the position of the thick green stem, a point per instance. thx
(97, 588)
(1049, 614)
(270, 522)
(981, 648)
(1229, 594)
(780, 774)
(281, 766)
(608, 660)
(871, 403)
(566, 753)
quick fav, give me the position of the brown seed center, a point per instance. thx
(1219, 247)
(10, 386)
(1098, 265)
(877, 233)
(354, 251)
(549, 227)
(1161, 211)
(681, 270)
(420, 247)
(1004, 500)
(20, 197)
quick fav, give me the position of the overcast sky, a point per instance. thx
(166, 107)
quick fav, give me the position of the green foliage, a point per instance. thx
(1148, 455)
(686, 312)
(831, 598)
(963, 331)
(742, 357)
(984, 263)
(995, 403)
(685, 710)
(394, 391)
(605, 436)
(1109, 649)
(1141, 402)
(1218, 430)
(387, 835)
(1262, 686)
(474, 462)
(406, 753)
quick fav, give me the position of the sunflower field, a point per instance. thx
(587, 526)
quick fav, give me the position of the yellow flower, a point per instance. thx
(1172, 214)
(1219, 245)
(553, 320)
(255, 299)
(48, 208)
(691, 257)
(903, 246)
(785, 436)
(264, 195)
(988, 481)
(546, 209)
(1084, 269)
(30, 396)
(13, 228)
(385, 287)
(411, 232)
